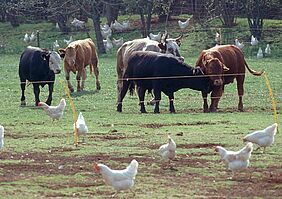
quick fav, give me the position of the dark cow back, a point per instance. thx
(160, 73)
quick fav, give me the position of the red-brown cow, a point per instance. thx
(77, 55)
(223, 63)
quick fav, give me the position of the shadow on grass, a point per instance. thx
(84, 92)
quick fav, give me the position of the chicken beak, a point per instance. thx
(96, 168)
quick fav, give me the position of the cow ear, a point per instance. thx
(45, 55)
(62, 52)
(204, 61)
(178, 40)
(225, 68)
(162, 46)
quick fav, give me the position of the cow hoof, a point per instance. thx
(98, 86)
(156, 112)
(71, 90)
(206, 110)
(119, 108)
(48, 102)
(143, 111)
(172, 112)
(213, 110)
(23, 103)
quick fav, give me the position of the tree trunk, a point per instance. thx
(256, 25)
(149, 16)
(143, 23)
(111, 14)
(98, 34)
(61, 20)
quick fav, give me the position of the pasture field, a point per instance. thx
(39, 159)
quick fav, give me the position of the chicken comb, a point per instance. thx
(96, 167)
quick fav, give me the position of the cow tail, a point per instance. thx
(91, 69)
(131, 87)
(253, 72)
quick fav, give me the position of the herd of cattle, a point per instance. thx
(143, 64)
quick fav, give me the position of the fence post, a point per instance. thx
(38, 40)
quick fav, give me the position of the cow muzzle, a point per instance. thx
(58, 71)
(218, 82)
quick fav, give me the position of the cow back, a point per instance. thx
(166, 70)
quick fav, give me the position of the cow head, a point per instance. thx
(54, 62)
(214, 68)
(69, 55)
(171, 46)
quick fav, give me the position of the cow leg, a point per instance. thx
(240, 88)
(36, 92)
(215, 96)
(78, 77)
(67, 75)
(171, 105)
(141, 94)
(51, 88)
(83, 78)
(157, 94)
(121, 94)
(96, 73)
(23, 84)
(205, 105)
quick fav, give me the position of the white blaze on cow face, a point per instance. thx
(54, 62)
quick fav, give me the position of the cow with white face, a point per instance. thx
(171, 46)
(39, 67)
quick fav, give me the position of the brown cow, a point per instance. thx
(168, 46)
(223, 63)
(77, 55)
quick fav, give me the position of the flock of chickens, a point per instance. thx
(124, 179)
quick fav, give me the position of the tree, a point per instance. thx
(92, 9)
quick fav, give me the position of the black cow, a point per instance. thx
(39, 67)
(160, 73)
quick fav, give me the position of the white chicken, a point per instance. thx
(267, 50)
(184, 24)
(259, 53)
(106, 33)
(26, 38)
(1, 137)
(81, 126)
(236, 160)
(117, 42)
(68, 41)
(32, 37)
(238, 44)
(156, 37)
(168, 150)
(55, 112)
(117, 26)
(217, 38)
(56, 45)
(263, 138)
(118, 179)
(254, 41)
(108, 44)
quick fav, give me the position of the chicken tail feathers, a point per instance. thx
(132, 168)
(272, 129)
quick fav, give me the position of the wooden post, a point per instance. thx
(38, 40)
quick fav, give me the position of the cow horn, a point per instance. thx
(179, 38)
(165, 36)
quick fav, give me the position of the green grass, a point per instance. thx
(35, 146)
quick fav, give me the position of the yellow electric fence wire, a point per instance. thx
(74, 114)
(272, 98)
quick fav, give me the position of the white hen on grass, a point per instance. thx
(118, 179)
(263, 138)
(55, 112)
